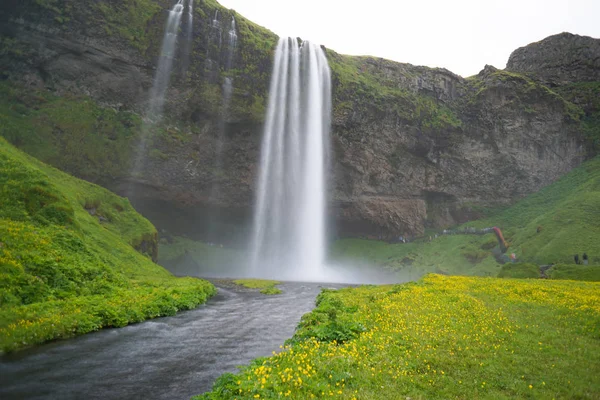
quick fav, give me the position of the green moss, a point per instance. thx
(68, 263)
(70, 132)
(527, 93)
(359, 85)
(128, 19)
(587, 96)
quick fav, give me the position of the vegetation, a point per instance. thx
(439, 338)
(67, 260)
(359, 82)
(587, 96)
(520, 271)
(560, 220)
(549, 226)
(266, 286)
(527, 92)
(70, 132)
(575, 272)
(449, 254)
(128, 20)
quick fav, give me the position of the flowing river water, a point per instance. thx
(166, 358)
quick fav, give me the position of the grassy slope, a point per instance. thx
(566, 212)
(70, 132)
(575, 272)
(64, 272)
(440, 338)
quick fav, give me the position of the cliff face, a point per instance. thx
(413, 146)
(559, 60)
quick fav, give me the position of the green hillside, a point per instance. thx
(68, 259)
(550, 226)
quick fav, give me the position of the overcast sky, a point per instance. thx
(460, 35)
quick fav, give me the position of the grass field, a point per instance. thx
(440, 338)
(68, 259)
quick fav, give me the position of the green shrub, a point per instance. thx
(519, 271)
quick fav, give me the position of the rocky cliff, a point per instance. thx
(412, 146)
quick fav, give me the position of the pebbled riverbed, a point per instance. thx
(166, 358)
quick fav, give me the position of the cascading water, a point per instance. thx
(232, 44)
(289, 218)
(165, 63)
(220, 144)
(190, 17)
(216, 26)
(189, 38)
(161, 83)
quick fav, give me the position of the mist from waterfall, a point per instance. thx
(289, 218)
(227, 92)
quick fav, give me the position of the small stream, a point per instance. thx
(165, 358)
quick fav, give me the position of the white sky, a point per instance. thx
(460, 35)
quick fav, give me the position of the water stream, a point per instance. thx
(166, 358)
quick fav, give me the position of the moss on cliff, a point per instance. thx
(526, 92)
(360, 85)
(128, 19)
(587, 96)
(70, 132)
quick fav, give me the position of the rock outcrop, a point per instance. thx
(412, 146)
(559, 59)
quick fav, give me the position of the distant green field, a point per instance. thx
(575, 272)
(520, 271)
(68, 259)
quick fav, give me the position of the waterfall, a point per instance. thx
(289, 217)
(216, 26)
(215, 192)
(189, 38)
(232, 44)
(160, 85)
(165, 63)
(190, 16)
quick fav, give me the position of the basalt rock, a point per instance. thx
(412, 146)
(559, 59)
